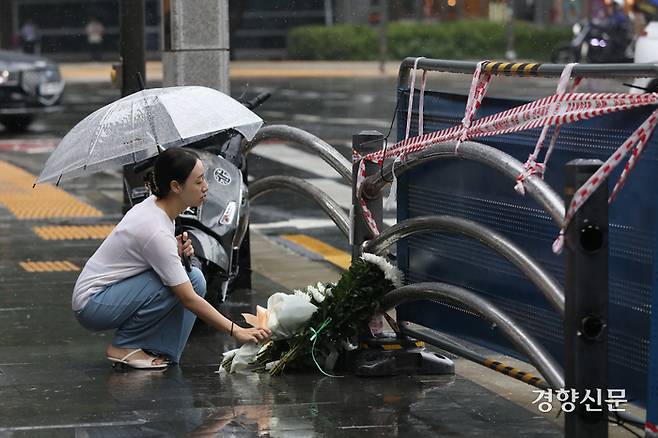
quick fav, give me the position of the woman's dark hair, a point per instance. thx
(174, 164)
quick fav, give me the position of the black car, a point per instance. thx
(29, 85)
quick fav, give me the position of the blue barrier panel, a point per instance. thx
(474, 191)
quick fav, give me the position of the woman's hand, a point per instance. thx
(184, 245)
(255, 335)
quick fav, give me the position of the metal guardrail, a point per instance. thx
(306, 140)
(509, 166)
(525, 343)
(528, 69)
(328, 205)
(497, 242)
(585, 314)
(280, 182)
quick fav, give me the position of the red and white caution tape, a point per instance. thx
(391, 200)
(479, 86)
(532, 166)
(636, 142)
(410, 104)
(554, 110)
(572, 107)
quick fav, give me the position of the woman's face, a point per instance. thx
(195, 188)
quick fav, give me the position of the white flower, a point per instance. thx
(317, 296)
(302, 294)
(390, 272)
(229, 354)
(320, 287)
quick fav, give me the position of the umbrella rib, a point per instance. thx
(151, 123)
(132, 124)
(95, 140)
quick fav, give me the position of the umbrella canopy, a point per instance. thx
(135, 127)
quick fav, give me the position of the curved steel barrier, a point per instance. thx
(443, 292)
(331, 207)
(307, 140)
(440, 340)
(541, 192)
(497, 242)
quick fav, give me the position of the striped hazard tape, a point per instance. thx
(555, 110)
(516, 373)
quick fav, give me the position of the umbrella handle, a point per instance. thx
(184, 257)
(186, 262)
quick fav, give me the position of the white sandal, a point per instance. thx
(139, 364)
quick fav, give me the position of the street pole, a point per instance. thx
(6, 25)
(418, 10)
(132, 45)
(328, 13)
(196, 52)
(196, 40)
(510, 53)
(132, 68)
(383, 24)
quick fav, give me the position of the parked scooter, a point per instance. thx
(218, 226)
(597, 42)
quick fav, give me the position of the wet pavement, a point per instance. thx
(55, 381)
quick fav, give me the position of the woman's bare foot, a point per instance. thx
(119, 353)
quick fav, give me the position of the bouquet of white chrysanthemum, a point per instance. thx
(284, 316)
(316, 324)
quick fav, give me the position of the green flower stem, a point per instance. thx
(314, 338)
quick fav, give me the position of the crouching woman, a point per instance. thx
(135, 281)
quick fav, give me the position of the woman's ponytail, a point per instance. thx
(173, 164)
(152, 185)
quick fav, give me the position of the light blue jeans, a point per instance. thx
(145, 312)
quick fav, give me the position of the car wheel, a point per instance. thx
(652, 87)
(16, 123)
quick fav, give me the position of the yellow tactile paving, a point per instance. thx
(45, 201)
(73, 232)
(49, 266)
(328, 252)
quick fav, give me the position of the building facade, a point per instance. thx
(258, 28)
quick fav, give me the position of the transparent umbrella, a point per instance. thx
(138, 126)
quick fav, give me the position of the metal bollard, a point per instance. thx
(586, 304)
(363, 143)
